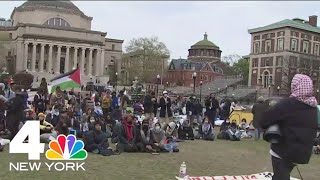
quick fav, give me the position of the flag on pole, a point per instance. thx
(65, 81)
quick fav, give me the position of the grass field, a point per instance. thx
(202, 158)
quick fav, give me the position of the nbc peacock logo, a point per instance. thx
(66, 148)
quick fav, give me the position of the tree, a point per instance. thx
(241, 67)
(147, 58)
(23, 79)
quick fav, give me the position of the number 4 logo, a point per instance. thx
(33, 148)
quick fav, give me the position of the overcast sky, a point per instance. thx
(181, 24)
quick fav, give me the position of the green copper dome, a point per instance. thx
(205, 43)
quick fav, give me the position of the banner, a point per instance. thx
(261, 176)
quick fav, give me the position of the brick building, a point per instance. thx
(204, 58)
(282, 49)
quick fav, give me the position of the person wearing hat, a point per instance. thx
(257, 111)
(165, 111)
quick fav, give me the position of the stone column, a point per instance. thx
(90, 62)
(25, 63)
(49, 65)
(97, 63)
(41, 58)
(102, 62)
(57, 65)
(75, 57)
(83, 54)
(66, 63)
(34, 53)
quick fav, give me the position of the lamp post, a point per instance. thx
(200, 90)
(226, 90)
(158, 81)
(218, 90)
(116, 83)
(269, 90)
(278, 88)
(167, 84)
(194, 76)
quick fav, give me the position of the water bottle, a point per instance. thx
(183, 170)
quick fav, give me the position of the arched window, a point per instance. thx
(57, 22)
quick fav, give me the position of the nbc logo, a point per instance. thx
(66, 148)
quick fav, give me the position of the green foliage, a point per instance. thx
(241, 68)
(147, 58)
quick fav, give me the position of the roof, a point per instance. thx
(295, 23)
(204, 43)
(181, 64)
(65, 5)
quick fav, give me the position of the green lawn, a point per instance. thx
(201, 157)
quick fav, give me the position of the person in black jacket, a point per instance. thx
(297, 119)
(257, 111)
(148, 105)
(165, 112)
(96, 141)
(190, 109)
(212, 105)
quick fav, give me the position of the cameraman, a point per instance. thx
(297, 119)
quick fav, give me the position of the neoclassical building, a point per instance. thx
(52, 37)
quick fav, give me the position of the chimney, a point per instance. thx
(313, 20)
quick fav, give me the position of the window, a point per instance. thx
(267, 46)
(267, 62)
(206, 78)
(280, 44)
(256, 47)
(255, 62)
(279, 61)
(316, 49)
(305, 46)
(201, 77)
(57, 22)
(294, 44)
(113, 47)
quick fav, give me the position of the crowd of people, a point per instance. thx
(97, 117)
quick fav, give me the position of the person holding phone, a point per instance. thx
(297, 118)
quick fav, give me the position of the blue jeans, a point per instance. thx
(257, 133)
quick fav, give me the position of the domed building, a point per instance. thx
(52, 37)
(204, 59)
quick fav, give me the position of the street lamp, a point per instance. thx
(158, 81)
(269, 89)
(194, 76)
(226, 90)
(200, 90)
(116, 83)
(318, 95)
(167, 84)
(278, 88)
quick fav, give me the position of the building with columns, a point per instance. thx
(282, 49)
(48, 38)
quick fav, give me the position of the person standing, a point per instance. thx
(190, 109)
(148, 106)
(124, 101)
(296, 117)
(15, 112)
(165, 111)
(212, 105)
(39, 101)
(257, 111)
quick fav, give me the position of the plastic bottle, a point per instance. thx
(183, 170)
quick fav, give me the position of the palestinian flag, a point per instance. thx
(65, 81)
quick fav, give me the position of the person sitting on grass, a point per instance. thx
(127, 135)
(171, 138)
(223, 134)
(205, 130)
(157, 139)
(233, 132)
(185, 131)
(96, 141)
(115, 132)
(245, 129)
(47, 132)
(143, 134)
